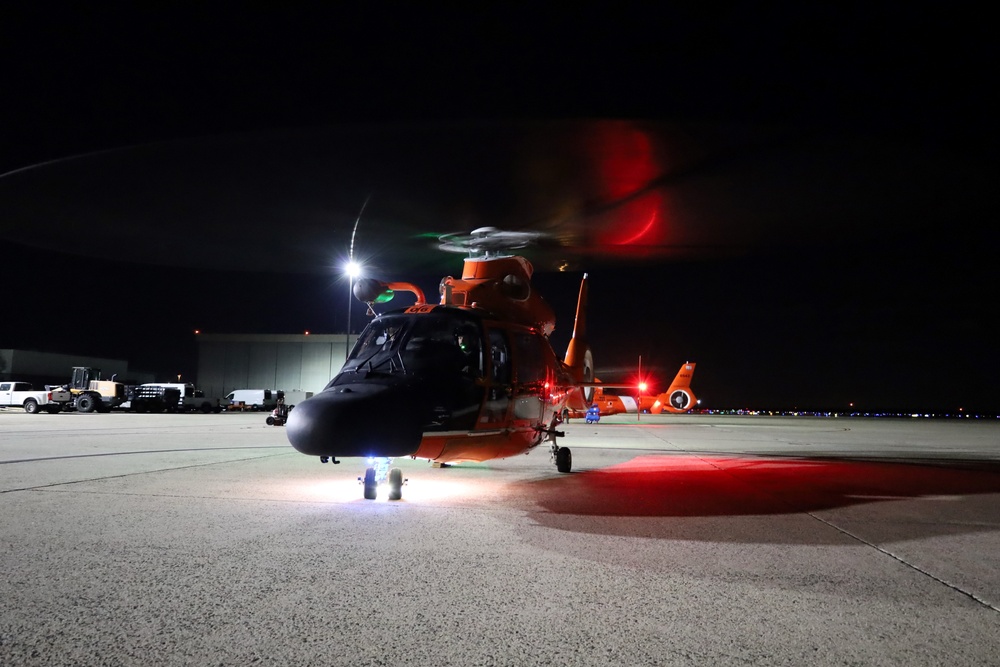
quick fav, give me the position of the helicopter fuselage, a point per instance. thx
(439, 382)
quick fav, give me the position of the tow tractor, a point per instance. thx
(279, 415)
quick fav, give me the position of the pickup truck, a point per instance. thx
(21, 395)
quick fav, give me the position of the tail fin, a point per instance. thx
(679, 397)
(578, 356)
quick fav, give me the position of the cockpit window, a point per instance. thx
(424, 343)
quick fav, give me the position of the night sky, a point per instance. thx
(801, 200)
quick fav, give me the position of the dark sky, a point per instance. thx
(799, 199)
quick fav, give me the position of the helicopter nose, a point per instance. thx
(355, 421)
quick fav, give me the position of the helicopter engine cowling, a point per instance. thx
(352, 420)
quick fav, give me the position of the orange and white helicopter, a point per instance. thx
(470, 378)
(678, 398)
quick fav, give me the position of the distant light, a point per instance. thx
(197, 331)
(307, 332)
(353, 269)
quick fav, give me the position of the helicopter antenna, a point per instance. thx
(350, 253)
(350, 279)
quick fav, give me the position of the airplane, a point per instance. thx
(679, 398)
(470, 378)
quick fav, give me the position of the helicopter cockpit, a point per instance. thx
(441, 351)
(422, 345)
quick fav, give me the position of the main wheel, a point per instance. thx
(31, 406)
(564, 460)
(395, 484)
(86, 403)
(370, 484)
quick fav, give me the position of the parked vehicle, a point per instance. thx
(190, 398)
(22, 395)
(251, 399)
(152, 398)
(279, 415)
(87, 392)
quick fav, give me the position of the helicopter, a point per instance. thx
(470, 378)
(679, 398)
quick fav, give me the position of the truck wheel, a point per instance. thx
(86, 403)
(31, 406)
(53, 409)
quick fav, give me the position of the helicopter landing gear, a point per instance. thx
(562, 457)
(378, 472)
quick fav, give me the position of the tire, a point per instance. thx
(270, 421)
(370, 485)
(395, 484)
(31, 406)
(564, 460)
(86, 403)
(53, 409)
(206, 408)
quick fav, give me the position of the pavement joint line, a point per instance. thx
(861, 540)
(146, 451)
(906, 563)
(43, 487)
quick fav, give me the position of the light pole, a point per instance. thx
(353, 270)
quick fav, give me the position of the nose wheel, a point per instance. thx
(563, 458)
(379, 473)
(561, 455)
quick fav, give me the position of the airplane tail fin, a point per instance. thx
(679, 397)
(578, 356)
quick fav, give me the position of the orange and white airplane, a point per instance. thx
(679, 398)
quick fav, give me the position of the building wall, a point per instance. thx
(288, 362)
(42, 368)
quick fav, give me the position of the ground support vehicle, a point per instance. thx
(279, 415)
(87, 392)
(190, 399)
(152, 398)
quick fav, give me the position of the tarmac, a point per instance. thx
(677, 540)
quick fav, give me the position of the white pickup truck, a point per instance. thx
(21, 395)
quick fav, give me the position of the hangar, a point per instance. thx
(42, 368)
(287, 362)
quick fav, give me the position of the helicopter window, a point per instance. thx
(500, 356)
(497, 400)
(531, 360)
(444, 342)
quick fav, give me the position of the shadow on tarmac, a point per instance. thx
(709, 487)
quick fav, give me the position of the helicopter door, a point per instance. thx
(498, 380)
(531, 370)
